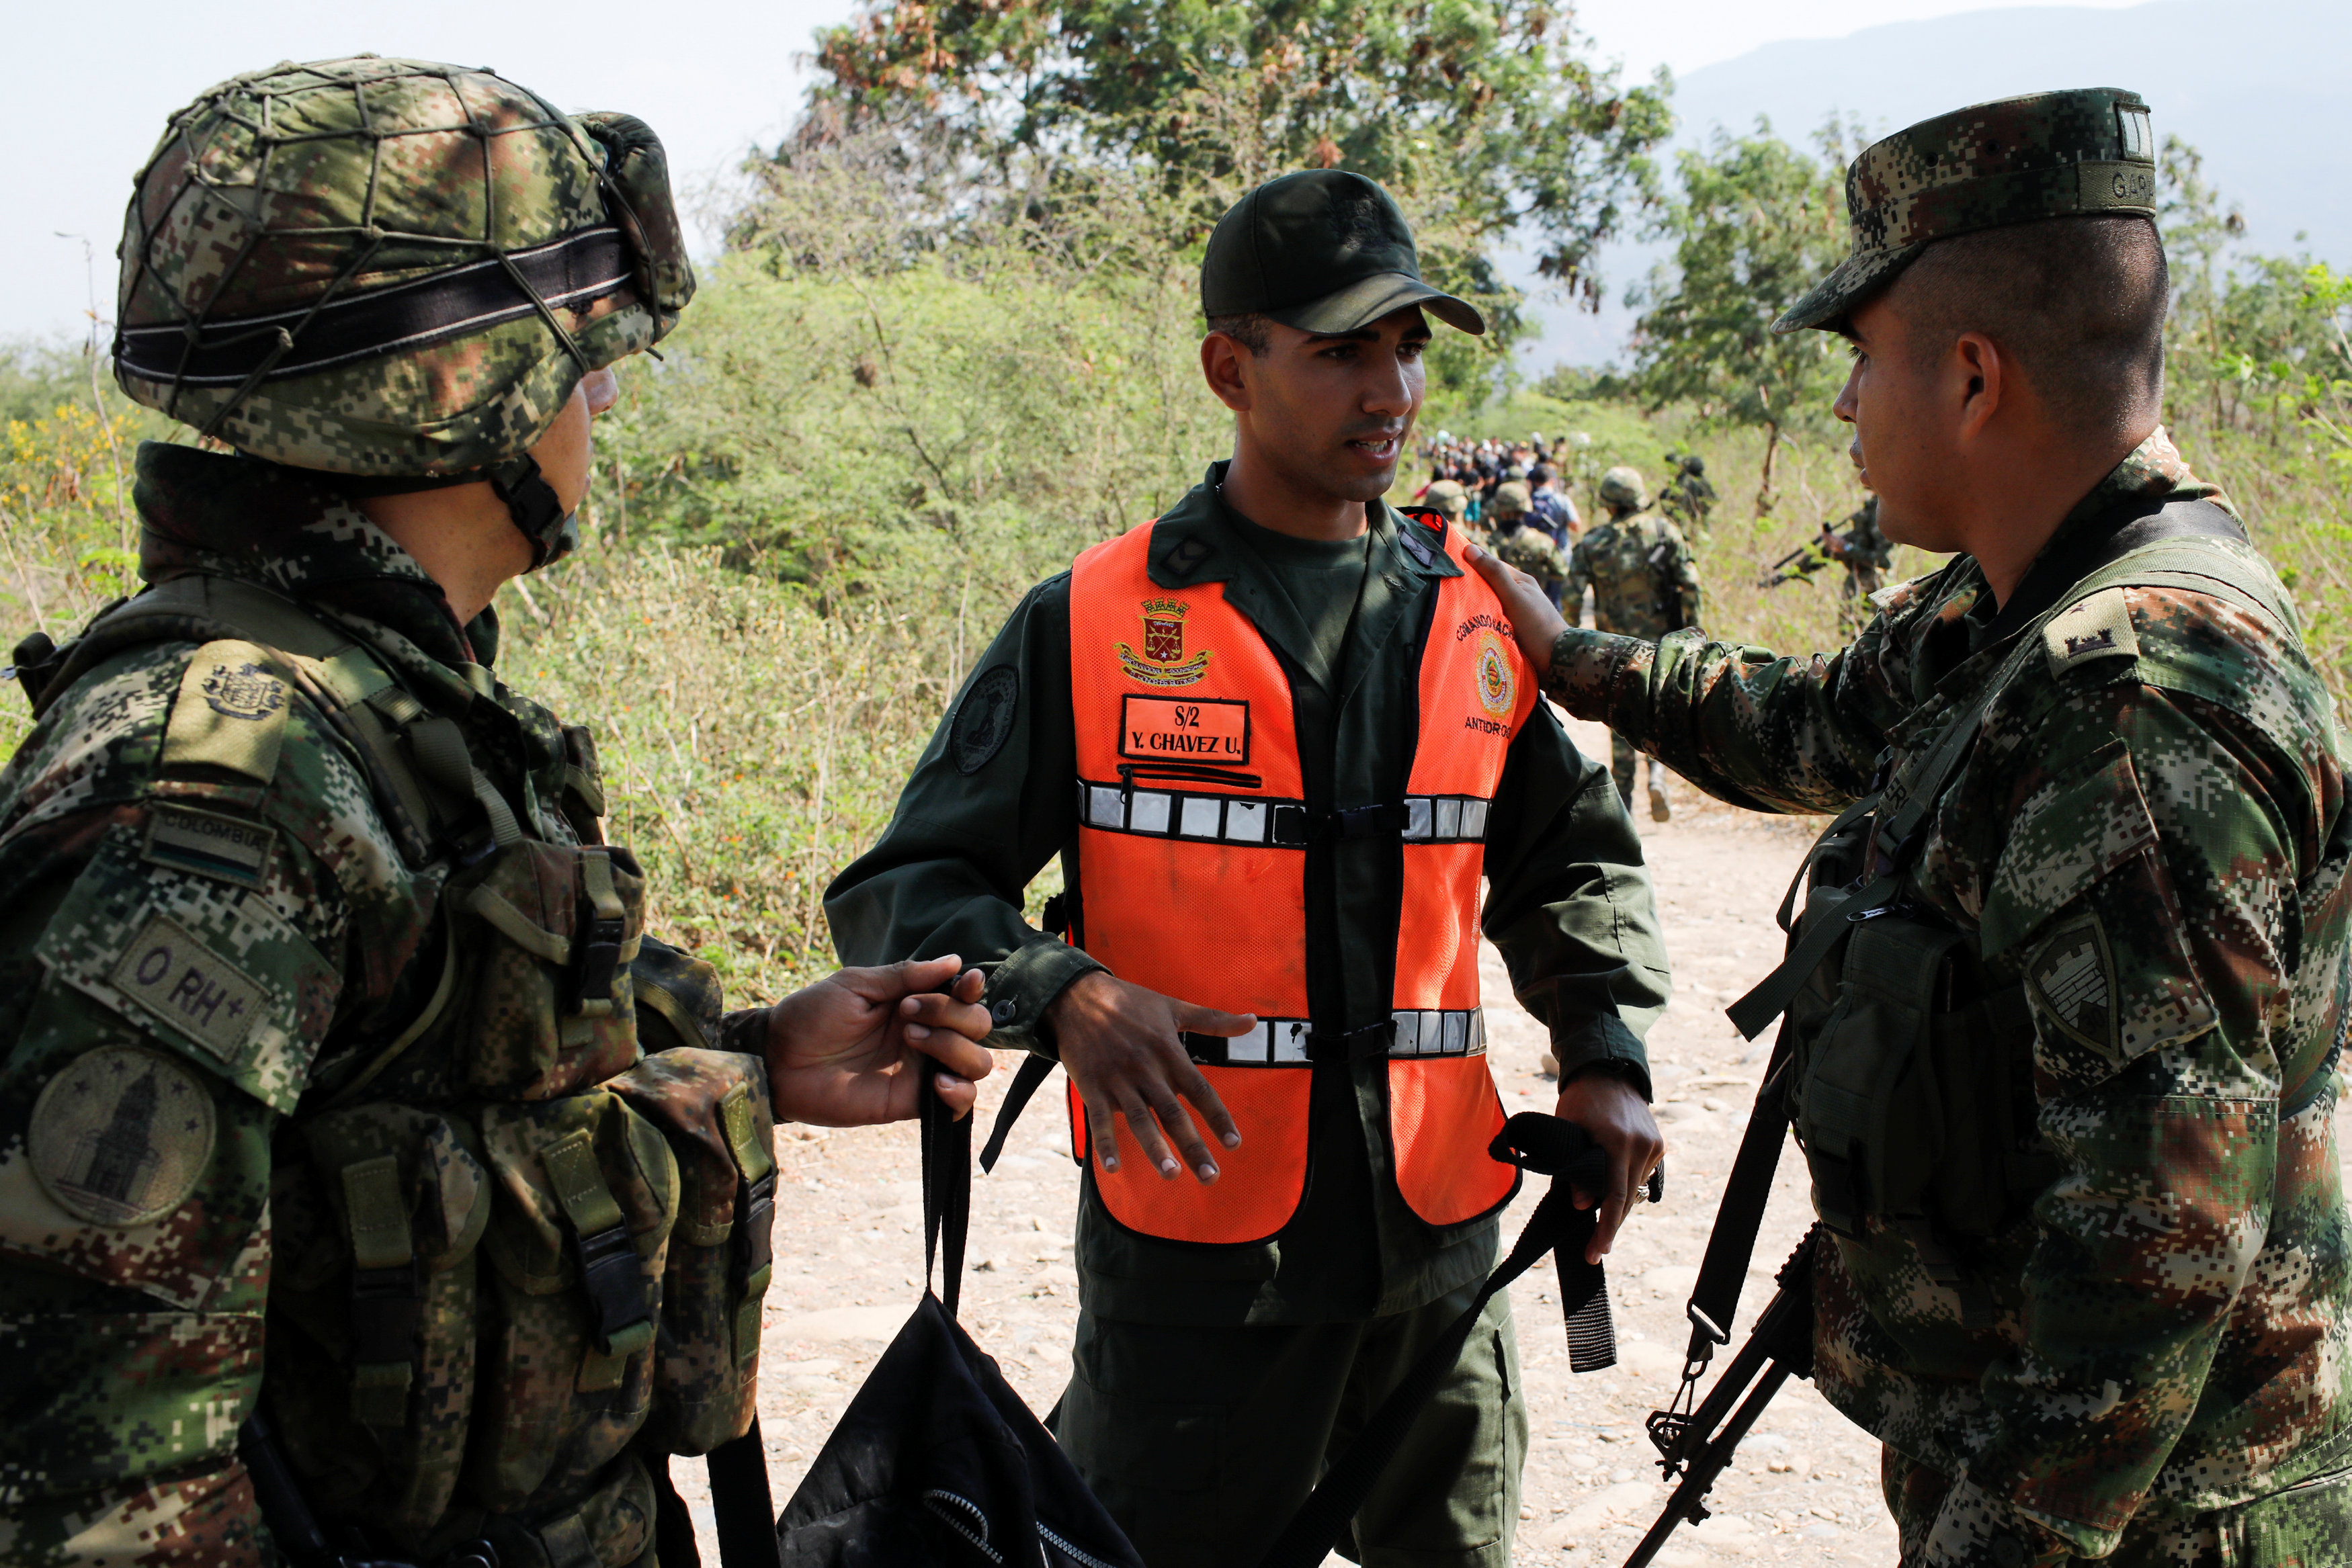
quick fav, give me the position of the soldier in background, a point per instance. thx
(1553, 511)
(1863, 551)
(1689, 497)
(341, 1084)
(1644, 583)
(2094, 1306)
(1515, 538)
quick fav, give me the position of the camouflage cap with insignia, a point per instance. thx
(390, 268)
(2085, 152)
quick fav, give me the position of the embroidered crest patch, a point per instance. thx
(985, 718)
(247, 691)
(2074, 979)
(1499, 683)
(1163, 662)
(121, 1136)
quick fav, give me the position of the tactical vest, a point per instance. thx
(512, 1252)
(1192, 843)
(1905, 1068)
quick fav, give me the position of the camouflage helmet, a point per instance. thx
(389, 267)
(1624, 489)
(1512, 498)
(1695, 464)
(1447, 496)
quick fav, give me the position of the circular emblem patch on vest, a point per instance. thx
(985, 718)
(246, 692)
(121, 1136)
(1498, 685)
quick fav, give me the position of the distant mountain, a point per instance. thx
(2263, 88)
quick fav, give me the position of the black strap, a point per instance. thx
(1026, 1081)
(742, 1509)
(573, 270)
(947, 1191)
(1546, 1146)
(1731, 1245)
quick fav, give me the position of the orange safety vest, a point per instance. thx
(1192, 837)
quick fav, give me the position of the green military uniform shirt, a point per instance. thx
(1569, 905)
(2151, 829)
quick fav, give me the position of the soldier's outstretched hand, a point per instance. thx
(1123, 1048)
(855, 1048)
(1535, 620)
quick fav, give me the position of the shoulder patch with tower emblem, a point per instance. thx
(121, 1136)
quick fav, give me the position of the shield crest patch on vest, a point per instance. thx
(2072, 977)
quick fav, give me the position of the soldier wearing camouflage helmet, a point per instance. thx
(1516, 538)
(1644, 583)
(368, 1166)
(2066, 999)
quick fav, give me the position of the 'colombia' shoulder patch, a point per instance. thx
(228, 849)
(121, 1136)
(985, 718)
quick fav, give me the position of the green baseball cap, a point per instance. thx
(2082, 152)
(1323, 251)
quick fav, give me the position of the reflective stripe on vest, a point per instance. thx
(1193, 880)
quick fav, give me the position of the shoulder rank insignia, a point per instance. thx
(2098, 627)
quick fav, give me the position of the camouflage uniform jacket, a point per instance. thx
(2167, 1330)
(219, 952)
(1634, 564)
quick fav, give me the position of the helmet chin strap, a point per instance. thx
(538, 513)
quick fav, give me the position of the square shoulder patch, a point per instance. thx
(2098, 627)
(196, 964)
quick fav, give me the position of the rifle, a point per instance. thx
(1699, 1444)
(1805, 559)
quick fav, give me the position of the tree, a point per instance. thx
(1756, 224)
(1484, 117)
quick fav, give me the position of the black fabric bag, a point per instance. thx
(937, 1463)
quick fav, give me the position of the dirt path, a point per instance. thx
(1804, 1490)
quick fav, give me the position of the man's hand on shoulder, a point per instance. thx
(1123, 1046)
(857, 1047)
(1534, 619)
(1618, 1119)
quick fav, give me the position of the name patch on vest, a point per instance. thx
(1194, 729)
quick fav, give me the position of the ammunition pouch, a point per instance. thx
(1909, 1095)
(712, 1107)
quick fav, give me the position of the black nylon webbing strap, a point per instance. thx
(1541, 1144)
(571, 271)
(743, 1511)
(1026, 1081)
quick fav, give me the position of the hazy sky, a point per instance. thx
(713, 76)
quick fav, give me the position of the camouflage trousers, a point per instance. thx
(2303, 1527)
